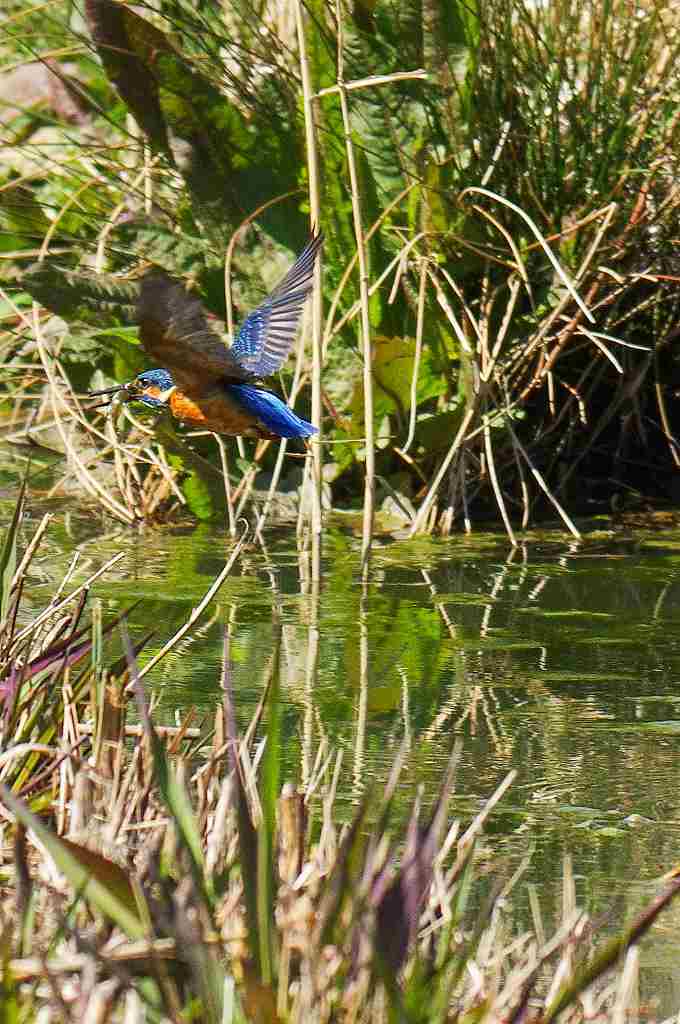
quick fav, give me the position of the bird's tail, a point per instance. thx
(271, 411)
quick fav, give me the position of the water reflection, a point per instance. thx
(556, 659)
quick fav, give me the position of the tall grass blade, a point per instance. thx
(8, 554)
(267, 830)
(399, 907)
(172, 793)
(341, 884)
(99, 880)
(613, 950)
(247, 834)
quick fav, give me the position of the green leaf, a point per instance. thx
(125, 43)
(393, 363)
(101, 882)
(22, 214)
(266, 833)
(81, 295)
(177, 801)
(8, 554)
(199, 496)
(343, 880)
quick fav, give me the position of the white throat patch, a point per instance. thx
(165, 395)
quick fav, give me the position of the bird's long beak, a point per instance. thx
(109, 391)
(117, 393)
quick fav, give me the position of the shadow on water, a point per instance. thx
(560, 660)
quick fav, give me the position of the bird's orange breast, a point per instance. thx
(217, 412)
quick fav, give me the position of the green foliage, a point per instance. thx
(81, 296)
(552, 107)
(8, 556)
(99, 880)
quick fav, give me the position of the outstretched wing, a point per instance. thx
(175, 333)
(267, 334)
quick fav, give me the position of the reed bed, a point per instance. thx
(496, 184)
(166, 873)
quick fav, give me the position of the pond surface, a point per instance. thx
(558, 659)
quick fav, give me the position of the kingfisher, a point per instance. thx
(205, 383)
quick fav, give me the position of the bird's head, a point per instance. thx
(152, 387)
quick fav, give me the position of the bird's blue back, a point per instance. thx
(271, 411)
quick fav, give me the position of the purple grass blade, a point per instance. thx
(399, 904)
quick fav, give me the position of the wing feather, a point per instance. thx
(267, 334)
(175, 333)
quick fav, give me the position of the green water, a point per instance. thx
(560, 660)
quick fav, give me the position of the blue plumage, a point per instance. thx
(203, 382)
(262, 345)
(276, 416)
(151, 380)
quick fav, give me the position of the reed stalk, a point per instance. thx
(314, 178)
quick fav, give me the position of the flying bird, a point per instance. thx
(202, 381)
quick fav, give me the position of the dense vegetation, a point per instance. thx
(497, 185)
(178, 132)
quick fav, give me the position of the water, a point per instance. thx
(560, 660)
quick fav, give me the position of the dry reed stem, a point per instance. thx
(498, 493)
(31, 549)
(486, 363)
(514, 287)
(87, 729)
(420, 321)
(366, 347)
(87, 479)
(538, 476)
(421, 517)
(362, 706)
(521, 359)
(144, 176)
(512, 245)
(665, 422)
(331, 329)
(313, 172)
(368, 83)
(566, 281)
(52, 609)
(231, 519)
(310, 683)
(609, 413)
(392, 265)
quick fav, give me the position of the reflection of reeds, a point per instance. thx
(210, 890)
(313, 466)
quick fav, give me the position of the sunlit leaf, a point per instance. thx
(393, 363)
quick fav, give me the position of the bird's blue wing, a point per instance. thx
(267, 334)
